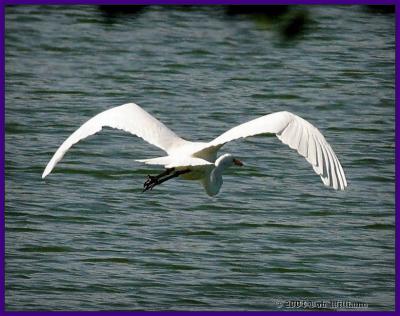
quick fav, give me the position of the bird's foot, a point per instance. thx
(150, 183)
(150, 179)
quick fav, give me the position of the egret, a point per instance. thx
(198, 160)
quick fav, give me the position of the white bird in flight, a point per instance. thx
(198, 160)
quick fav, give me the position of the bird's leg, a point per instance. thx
(158, 180)
(151, 179)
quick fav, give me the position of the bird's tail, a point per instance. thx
(173, 162)
(163, 161)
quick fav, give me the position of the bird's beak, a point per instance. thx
(237, 162)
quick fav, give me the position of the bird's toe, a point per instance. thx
(150, 183)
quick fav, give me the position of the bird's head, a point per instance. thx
(227, 160)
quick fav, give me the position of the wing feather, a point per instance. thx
(327, 165)
(303, 144)
(319, 165)
(312, 150)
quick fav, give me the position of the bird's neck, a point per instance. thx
(215, 179)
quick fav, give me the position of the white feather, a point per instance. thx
(291, 129)
(128, 117)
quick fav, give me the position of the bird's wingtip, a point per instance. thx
(45, 173)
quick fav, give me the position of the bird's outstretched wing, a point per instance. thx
(128, 117)
(298, 134)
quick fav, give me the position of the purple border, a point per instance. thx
(168, 313)
(2, 126)
(397, 151)
(180, 2)
(200, 2)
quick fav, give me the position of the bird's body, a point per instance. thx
(198, 160)
(197, 172)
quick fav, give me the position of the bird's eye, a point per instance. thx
(237, 162)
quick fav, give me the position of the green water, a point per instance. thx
(86, 238)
